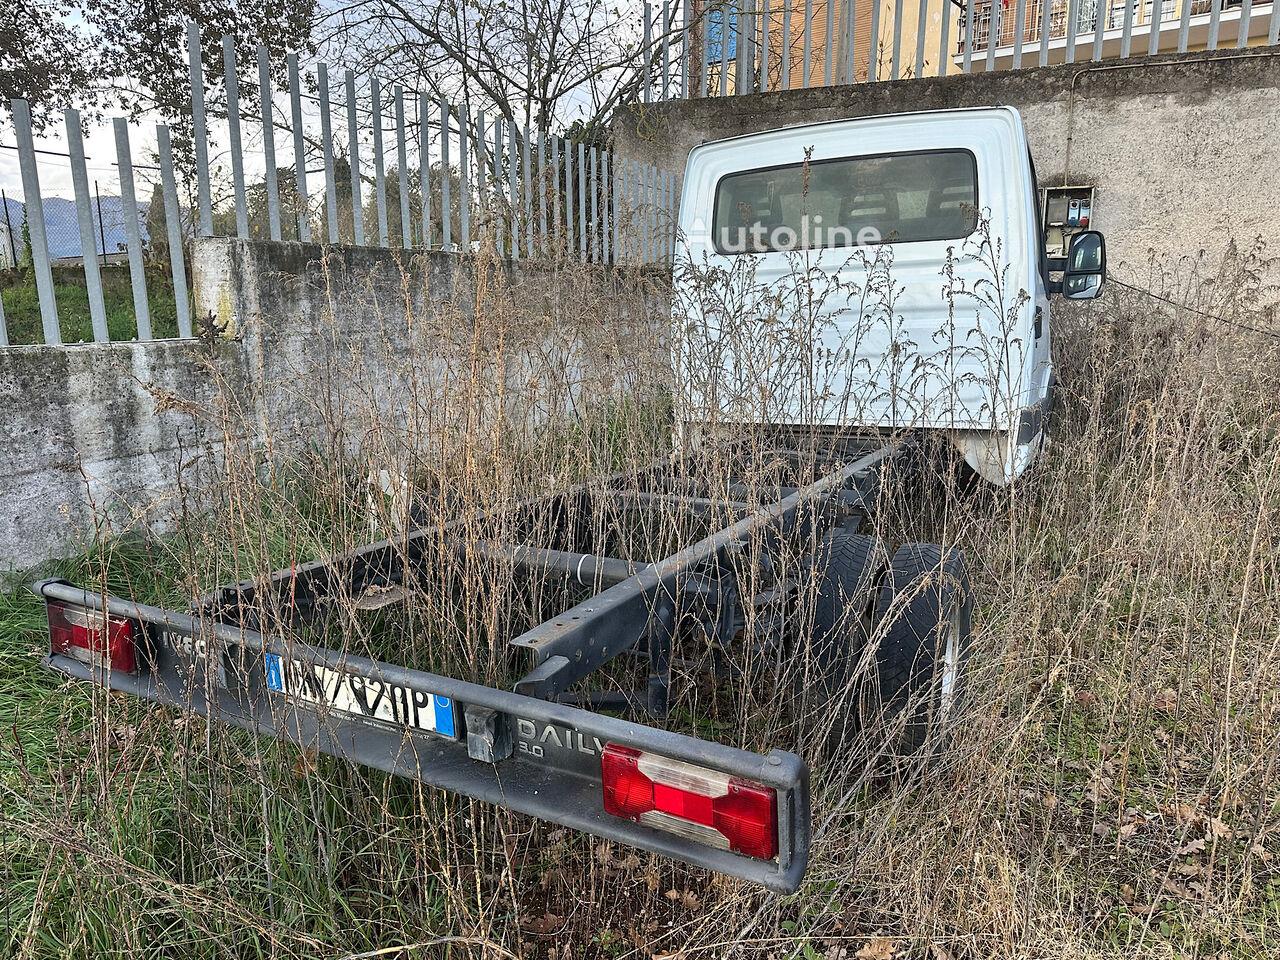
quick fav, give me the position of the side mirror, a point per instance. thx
(1086, 266)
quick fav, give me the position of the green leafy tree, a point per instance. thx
(129, 57)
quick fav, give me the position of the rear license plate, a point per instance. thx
(361, 697)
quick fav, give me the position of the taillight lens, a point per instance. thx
(91, 637)
(703, 805)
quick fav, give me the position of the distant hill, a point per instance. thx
(63, 229)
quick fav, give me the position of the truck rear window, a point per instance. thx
(887, 198)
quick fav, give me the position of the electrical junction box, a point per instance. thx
(1067, 211)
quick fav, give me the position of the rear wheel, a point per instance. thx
(847, 570)
(923, 616)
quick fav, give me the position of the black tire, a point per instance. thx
(924, 624)
(848, 569)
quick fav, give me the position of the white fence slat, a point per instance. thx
(34, 206)
(200, 134)
(173, 227)
(233, 134)
(299, 148)
(84, 219)
(268, 144)
(326, 136)
(132, 232)
(353, 159)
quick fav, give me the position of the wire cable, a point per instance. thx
(1182, 306)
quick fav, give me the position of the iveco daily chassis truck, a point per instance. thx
(915, 179)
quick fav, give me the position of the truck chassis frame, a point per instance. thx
(536, 750)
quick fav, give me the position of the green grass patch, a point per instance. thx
(22, 304)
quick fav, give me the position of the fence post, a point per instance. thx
(542, 187)
(873, 42)
(233, 126)
(645, 210)
(1127, 35)
(4, 327)
(464, 187)
(379, 166)
(132, 235)
(993, 34)
(446, 177)
(944, 46)
(1184, 25)
(1099, 24)
(326, 135)
(1045, 6)
(499, 193)
(607, 228)
(555, 192)
(299, 148)
(173, 227)
(402, 162)
(684, 49)
(568, 198)
(34, 213)
(268, 143)
(1073, 15)
(513, 188)
(704, 42)
(424, 166)
(526, 171)
(807, 33)
(595, 202)
(967, 63)
(1273, 29)
(486, 173)
(666, 49)
(1246, 14)
(784, 77)
(582, 201)
(648, 52)
(1157, 13)
(199, 132)
(84, 217)
(724, 49)
(1019, 28)
(353, 159)
(921, 22)
(895, 67)
(765, 16)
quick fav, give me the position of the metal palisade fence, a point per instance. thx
(699, 48)
(363, 164)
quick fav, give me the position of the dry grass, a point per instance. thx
(1112, 791)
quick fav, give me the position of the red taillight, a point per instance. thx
(91, 637)
(704, 805)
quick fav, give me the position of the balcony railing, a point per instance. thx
(1059, 11)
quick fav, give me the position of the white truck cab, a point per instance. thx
(911, 247)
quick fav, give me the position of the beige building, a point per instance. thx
(823, 28)
(772, 51)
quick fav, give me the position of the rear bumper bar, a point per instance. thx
(532, 756)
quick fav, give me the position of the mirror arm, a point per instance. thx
(1054, 286)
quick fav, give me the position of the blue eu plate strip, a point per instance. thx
(275, 679)
(444, 715)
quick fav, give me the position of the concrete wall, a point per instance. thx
(91, 440)
(1183, 150)
(332, 352)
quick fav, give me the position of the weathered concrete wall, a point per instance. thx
(90, 441)
(1183, 150)
(333, 352)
